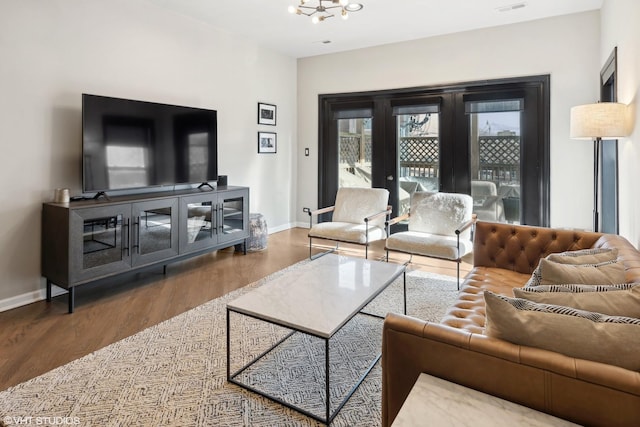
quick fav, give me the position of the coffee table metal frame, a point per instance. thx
(329, 416)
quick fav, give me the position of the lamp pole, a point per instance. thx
(596, 182)
(595, 121)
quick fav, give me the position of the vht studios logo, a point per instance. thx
(42, 421)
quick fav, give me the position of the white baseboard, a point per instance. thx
(29, 298)
(288, 226)
(35, 296)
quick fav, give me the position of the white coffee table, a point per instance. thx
(437, 402)
(317, 299)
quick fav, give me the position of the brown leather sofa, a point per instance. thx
(582, 391)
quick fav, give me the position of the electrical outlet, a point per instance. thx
(306, 152)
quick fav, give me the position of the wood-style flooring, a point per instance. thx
(42, 336)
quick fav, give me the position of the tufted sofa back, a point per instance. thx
(505, 255)
(519, 247)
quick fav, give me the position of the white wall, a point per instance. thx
(54, 50)
(620, 28)
(565, 47)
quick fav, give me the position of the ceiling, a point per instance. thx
(268, 23)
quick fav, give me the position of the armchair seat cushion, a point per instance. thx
(431, 245)
(346, 232)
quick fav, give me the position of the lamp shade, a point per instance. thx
(601, 120)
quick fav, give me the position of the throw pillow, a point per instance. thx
(579, 288)
(549, 273)
(585, 256)
(574, 333)
(606, 273)
(582, 256)
(614, 302)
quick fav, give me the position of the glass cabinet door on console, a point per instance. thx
(101, 243)
(234, 215)
(154, 233)
(198, 231)
(215, 217)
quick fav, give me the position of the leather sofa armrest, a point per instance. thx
(540, 379)
(404, 357)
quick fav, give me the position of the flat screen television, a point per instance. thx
(128, 144)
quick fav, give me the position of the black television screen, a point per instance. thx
(129, 144)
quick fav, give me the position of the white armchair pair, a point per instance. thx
(358, 216)
(440, 225)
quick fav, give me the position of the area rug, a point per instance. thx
(174, 373)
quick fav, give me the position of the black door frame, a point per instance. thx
(453, 127)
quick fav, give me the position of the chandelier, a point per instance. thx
(320, 12)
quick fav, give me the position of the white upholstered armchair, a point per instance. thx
(359, 216)
(440, 226)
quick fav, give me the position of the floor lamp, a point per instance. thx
(597, 121)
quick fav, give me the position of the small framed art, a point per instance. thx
(267, 142)
(266, 114)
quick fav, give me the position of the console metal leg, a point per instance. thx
(49, 284)
(71, 299)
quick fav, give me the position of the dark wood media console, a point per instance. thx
(84, 241)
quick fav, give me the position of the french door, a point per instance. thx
(487, 139)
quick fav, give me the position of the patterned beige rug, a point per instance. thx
(174, 373)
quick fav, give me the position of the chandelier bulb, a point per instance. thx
(345, 15)
(292, 9)
(315, 19)
(344, 2)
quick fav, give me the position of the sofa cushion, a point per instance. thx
(564, 330)
(550, 273)
(346, 232)
(428, 245)
(612, 302)
(468, 312)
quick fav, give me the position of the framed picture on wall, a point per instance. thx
(267, 142)
(266, 114)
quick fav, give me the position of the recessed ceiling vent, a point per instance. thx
(511, 7)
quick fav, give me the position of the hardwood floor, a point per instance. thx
(42, 336)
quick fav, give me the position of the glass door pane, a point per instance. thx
(354, 148)
(199, 221)
(155, 230)
(102, 241)
(495, 151)
(232, 215)
(154, 236)
(418, 148)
